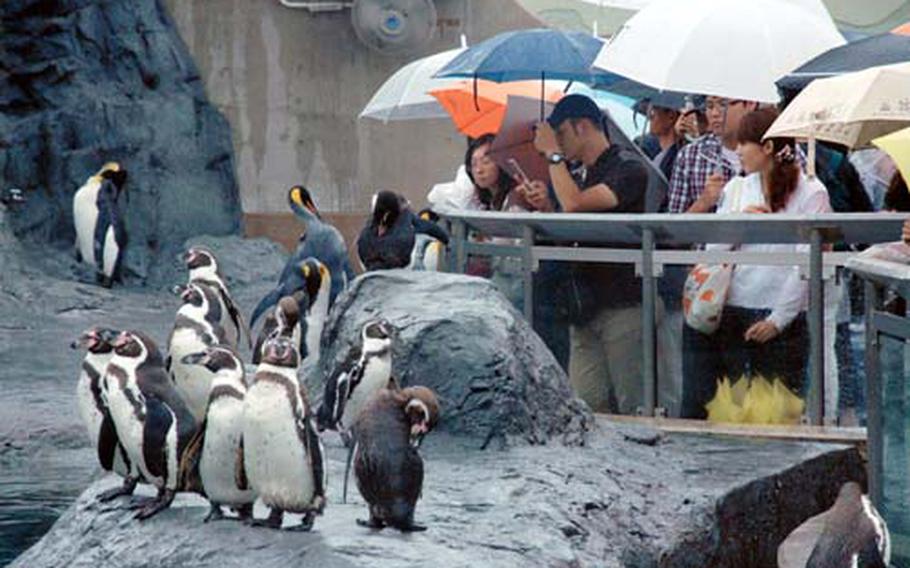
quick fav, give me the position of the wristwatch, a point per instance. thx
(556, 158)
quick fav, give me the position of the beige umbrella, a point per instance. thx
(850, 109)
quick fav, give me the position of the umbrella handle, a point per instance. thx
(543, 81)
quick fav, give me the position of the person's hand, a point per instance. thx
(761, 332)
(905, 232)
(687, 125)
(714, 188)
(535, 193)
(757, 209)
(545, 139)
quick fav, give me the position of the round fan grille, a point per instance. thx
(393, 26)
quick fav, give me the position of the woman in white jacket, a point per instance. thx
(763, 328)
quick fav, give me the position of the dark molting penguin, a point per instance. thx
(283, 321)
(320, 240)
(91, 396)
(212, 463)
(313, 278)
(365, 371)
(428, 251)
(854, 534)
(282, 453)
(152, 420)
(387, 240)
(100, 228)
(388, 469)
(203, 267)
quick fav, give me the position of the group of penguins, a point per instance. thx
(394, 236)
(186, 419)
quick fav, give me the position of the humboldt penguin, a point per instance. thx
(428, 251)
(387, 240)
(388, 469)
(91, 397)
(282, 453)
(283, 321)
(100, 227)
(312, 277)
(854, 534)
(202, 265)
(151, 419)
(319, 240)
(365, 370)
(196, 327)
(212, 463)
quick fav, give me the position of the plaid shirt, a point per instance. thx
(694, 163)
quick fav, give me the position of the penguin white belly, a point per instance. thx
(129, 429)
(375, 377)
(314, 324)
(431, 256)
(110, 253)
(193, 382)
(85, 216)
(218, 465)
(88, 409)
(274, 456)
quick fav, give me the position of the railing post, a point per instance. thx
(874, 418)
(816, 322)
(648, 334)
(460, 236)
(527, 272)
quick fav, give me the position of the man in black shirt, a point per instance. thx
(604, 299)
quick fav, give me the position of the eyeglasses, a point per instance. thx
(711, 106)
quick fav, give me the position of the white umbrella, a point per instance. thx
(727, 48)
(850, 109)
(404, 95)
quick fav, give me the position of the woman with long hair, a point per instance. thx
(493, 187)
(763, 328)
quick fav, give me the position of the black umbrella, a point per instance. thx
(876, 50)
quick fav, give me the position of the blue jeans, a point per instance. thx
(708, 358)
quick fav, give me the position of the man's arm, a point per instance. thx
(595, 198)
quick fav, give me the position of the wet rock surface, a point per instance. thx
(460, 336)
(687, 501)
(84, 82)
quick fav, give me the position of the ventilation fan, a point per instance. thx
(393, 26)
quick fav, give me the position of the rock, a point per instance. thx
(89, 81)
(459, 336)
(690, 501)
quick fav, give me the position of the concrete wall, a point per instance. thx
(291, 84)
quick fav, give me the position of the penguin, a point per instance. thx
(282, 453)
(202, 265)
(387, 467)
(152, 421)
(428, 251)
(319, 240)
(196, 327)
(212, 461)
(364, 371)
(854, 534)
(387, 240)
(100, 230)
(284, 321)
(11, 197)
(90, 396)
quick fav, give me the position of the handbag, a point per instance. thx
(706, 286)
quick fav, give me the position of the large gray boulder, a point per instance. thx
(89, 81)
(459, 336)
(627, 499)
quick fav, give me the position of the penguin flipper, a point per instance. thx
(265, 303)
(158, 421)
(316, 456)
(188, 470)
(236, 316)
(240, 478)
(107, 442)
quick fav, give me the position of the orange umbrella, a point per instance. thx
(902, 29)
(482, 114)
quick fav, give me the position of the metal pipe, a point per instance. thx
(816, 330)
(316, 7)
(648, 332)
(527, 272)
(874, 430)
(460, 233)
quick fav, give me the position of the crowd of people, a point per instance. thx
(712, 153)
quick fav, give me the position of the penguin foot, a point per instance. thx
(272, 522)
(245, 512)
(371, 523)
(129, 485)
(413, 527)
(215, 514)
(137, 503)
(306, 523)
(162, 502)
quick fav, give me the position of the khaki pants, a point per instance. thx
(605, 365)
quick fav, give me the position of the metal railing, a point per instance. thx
(555, 236)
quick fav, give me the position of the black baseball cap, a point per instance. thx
(575, 106)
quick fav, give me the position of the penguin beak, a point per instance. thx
(178, 289)
(83, 341)
(418, 431)
(121, 340)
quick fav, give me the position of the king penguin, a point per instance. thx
(282, 453)
(388, 469)
(427, 253)
(152, 421)
(202, 265)
(320, 240)
(91, 397)
(100, 228)
(212, 463)
(387, 241)
(196, 327)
